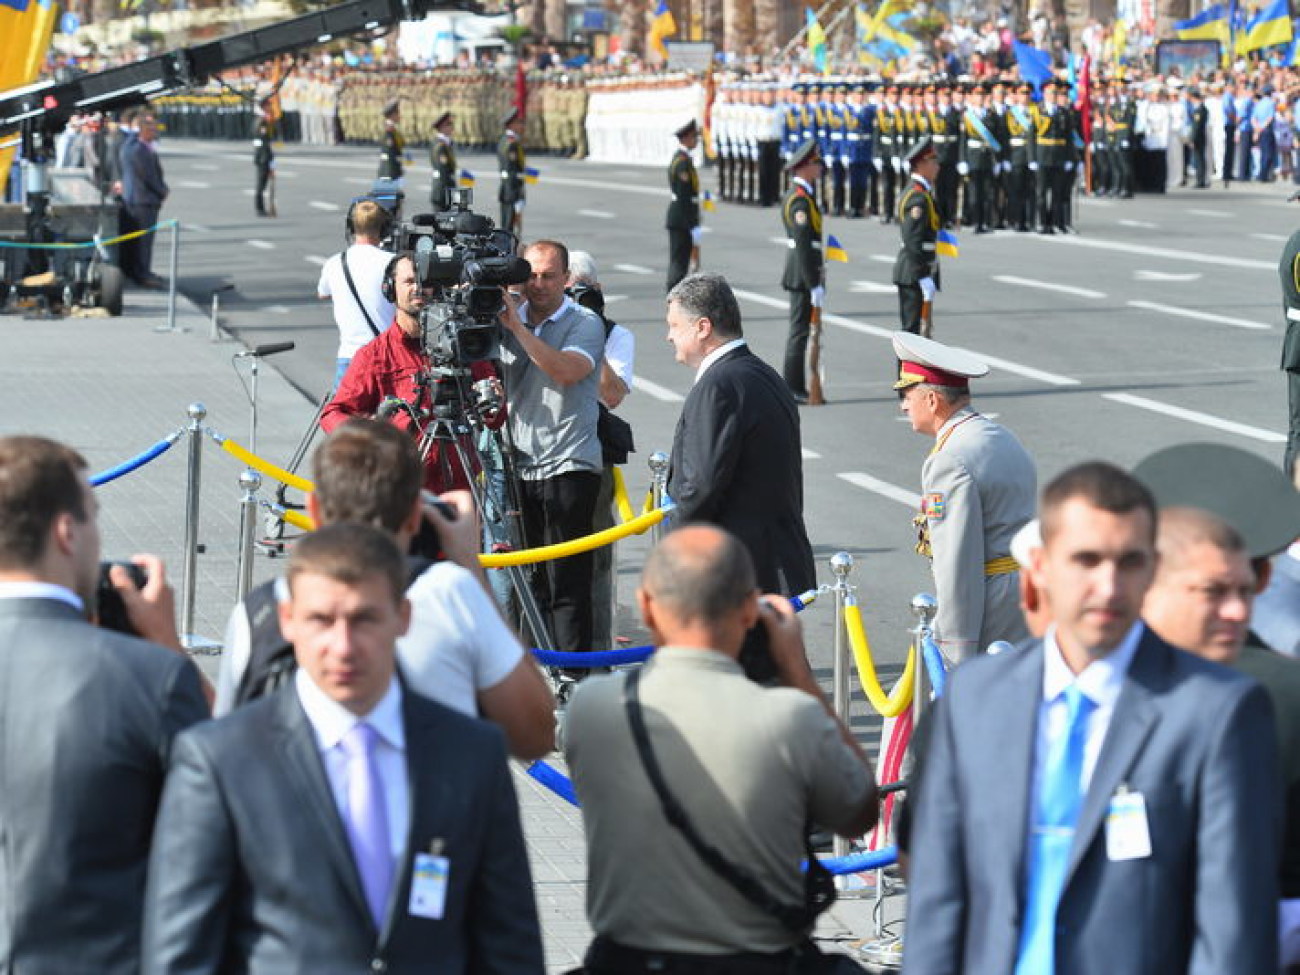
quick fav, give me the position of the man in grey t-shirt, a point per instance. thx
(549, 355)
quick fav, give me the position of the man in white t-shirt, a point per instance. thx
(458, 650)
(360, 309)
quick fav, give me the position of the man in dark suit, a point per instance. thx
(1097, 800)
(737, 459)
(683, 219)
(87, 718)
(143, 193)
(342, 824)
(805, 277)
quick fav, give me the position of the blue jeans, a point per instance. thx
(341, 368)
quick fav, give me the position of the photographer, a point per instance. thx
(89, 715)
(550, 354)
(750, 766)
(353, 281)
(393, 372)
(458, 651)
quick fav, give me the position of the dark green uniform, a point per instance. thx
(918, 226)
(803, 272)
(511, 163)
(390, 153)
(1289, 272)
(442, 157)
(1051, 151)
(263, 164)
(683, 213)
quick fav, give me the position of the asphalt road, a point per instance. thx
(1159, 323)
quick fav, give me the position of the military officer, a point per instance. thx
(442, 157)
(804, 276)
(980, 151)
(1289, 272)
(683, 220)
(263, 162)
(947, 127)
(977, 490)
(1020, 124)
(512, 163)
(1050, 153)
(916, 269)
(860, 123)
(837, 158)
(889, 135)
(393, 147)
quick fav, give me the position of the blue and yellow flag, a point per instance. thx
(817, 41)
(706, 202)
(1211, 24)
(945, 243)
(1270, 26)
(466, 178)
(662, 26)
(834, 250)
(531, 176)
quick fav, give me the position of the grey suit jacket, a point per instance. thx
(87, 718)
(1194, 738)
(252, 871)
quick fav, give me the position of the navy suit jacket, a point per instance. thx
(1194, 738)
(252, 871)
(142, 176)
(737, 462)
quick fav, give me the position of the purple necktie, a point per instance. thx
(367, 819)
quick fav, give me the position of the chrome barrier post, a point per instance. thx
(249, 481)
(214, 331)
(658, 462)
(841, 692)
(924, 606)
(173, 265)
(197, 412)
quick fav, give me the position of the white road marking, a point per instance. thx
(315, 259)
(324, 205)
(1272, 238)
(1144, 224)
(705, 228)
(884, 258)
(277, 309)
(1065, 289)
(286, 173)
(883, 488)
(871, 287)
(205, 167)
(1186, 257)
(1200, 316)
(198, 228)
(193, 184)
(1166, 276)
(249, 192)
(358, 180)
(1209, 213)
(810, 454)
(654, 390)
(597, 184)
(262, 245)
(1093, 202)
(598, 214)
(633, 269)
(1192, 416)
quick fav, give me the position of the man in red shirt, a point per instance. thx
(395, 365)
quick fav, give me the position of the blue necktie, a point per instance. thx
(1056, 811)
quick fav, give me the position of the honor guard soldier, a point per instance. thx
(916, 269)
(1073, 159)
(887, 134)
(1020, 132)
(683, 220)
(1289, 273)
(769, 146)
(980, 151)
(393, 147)
(442, 157)
(977, 490)
(512, 163)
(859, 123)
(804, 276)
(792, 123)
(945, 195)
(838, 158)
(1121, 116)
(1050, 153)
(263, 162)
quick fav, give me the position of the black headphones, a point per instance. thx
(385, 226)
(388, 286)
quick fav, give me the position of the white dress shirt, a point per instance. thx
(330, 721)
(717, 354)
(41, 590)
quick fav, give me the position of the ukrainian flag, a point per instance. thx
(1270, 26)
(662, 26)
(1211, 24)
(706, 202)
(836, 252)
(466, 178)
(816, 41)
(531, 176)
(945, 243)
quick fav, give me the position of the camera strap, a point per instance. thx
(352, 286)
(819, 887)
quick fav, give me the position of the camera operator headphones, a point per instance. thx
(385, 227)
(388, 286)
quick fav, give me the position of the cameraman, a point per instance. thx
(614, 433)
(395, 367)
(353, 280)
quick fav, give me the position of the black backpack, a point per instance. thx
(614, 432)
(270, 655)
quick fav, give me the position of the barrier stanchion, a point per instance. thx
(658, 462)
(249, 481)
(189, 557)
(924, 607)
(173, 265)
(841, 567)
(214, 332)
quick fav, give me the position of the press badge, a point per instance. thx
(429, 886)
(1128, 836)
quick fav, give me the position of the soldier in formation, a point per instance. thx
(442, 159)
